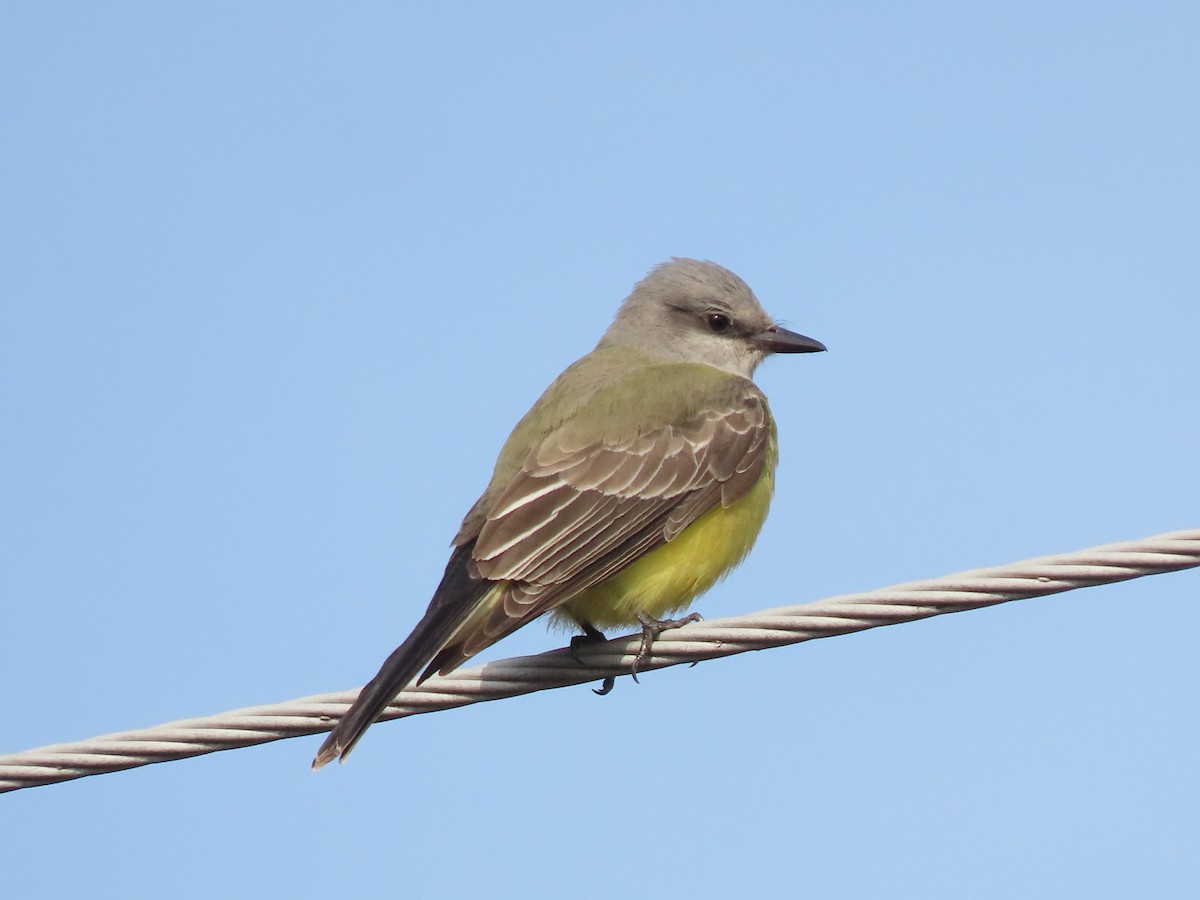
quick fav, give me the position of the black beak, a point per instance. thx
(780, 340)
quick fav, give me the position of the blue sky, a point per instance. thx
(278, 278)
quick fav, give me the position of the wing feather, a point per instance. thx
(590, 502)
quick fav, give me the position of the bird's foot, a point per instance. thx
(591, 635)
(651, 629)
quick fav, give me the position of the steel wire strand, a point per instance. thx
(703, 640)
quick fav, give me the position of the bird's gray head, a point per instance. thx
(689, 310)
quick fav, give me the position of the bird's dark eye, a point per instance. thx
(718, 323)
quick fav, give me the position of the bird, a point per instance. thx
(638, 479)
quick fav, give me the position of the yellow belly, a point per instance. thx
(668, 579)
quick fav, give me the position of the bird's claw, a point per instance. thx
(591, 635)
(651, 629)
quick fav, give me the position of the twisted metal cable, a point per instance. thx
(700, 641)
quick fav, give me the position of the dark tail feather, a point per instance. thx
(455, 597)
(394, 676)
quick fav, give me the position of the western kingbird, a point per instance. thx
(639, 478)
